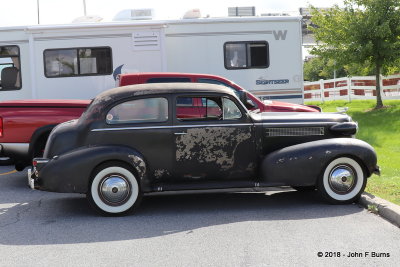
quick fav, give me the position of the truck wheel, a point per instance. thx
(114, 190)
(342, 182)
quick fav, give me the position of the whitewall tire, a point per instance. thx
(114, 189)
(343, 181)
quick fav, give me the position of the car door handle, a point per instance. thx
(182, 133)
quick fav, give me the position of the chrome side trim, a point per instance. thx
(15, 148)
(271, 124)
(170, 127)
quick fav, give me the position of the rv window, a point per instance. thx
(10, 65)
(246, 55)
(77, 62)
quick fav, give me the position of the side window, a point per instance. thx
(246, 55)
(10, 68)
(139, 111)
(168, 80)
(77, 62)
(230, 110)
(207, 109)
(198, 108)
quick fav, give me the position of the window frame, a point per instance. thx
(78, 75)
(19, 69)
(247, 43)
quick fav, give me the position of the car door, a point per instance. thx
(217, 144)
(143, 124)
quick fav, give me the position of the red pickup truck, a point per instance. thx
(26, 124)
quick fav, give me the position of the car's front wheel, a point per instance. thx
(343, 181)
(114, 190)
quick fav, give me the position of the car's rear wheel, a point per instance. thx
(342, 182)
(114, 189)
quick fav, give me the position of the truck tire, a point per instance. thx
(342, 182)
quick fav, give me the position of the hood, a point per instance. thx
(277, 106)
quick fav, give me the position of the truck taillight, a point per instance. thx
(1, 126)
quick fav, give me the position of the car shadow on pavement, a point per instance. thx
(51, 218)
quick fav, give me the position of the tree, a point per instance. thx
(322, 68)
(363, 32)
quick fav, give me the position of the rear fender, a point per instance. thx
(302, 164)
(71, 172)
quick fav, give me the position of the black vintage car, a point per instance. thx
(166, 137)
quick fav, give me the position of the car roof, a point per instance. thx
(111, 96)
(162, 88)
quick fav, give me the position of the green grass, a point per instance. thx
(381, 129)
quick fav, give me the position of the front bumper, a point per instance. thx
(377, 170)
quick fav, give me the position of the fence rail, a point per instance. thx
(363, 87)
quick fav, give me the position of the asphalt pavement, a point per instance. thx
(275, 228)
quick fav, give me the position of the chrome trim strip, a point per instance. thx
(295, 123)
(171, 127)
(15, 148)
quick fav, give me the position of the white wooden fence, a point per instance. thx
(363, 87)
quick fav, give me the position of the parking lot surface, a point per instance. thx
(221, 229)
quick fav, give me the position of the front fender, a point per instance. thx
(302, 164)
(71, 172)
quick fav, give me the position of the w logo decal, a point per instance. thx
(280, 35)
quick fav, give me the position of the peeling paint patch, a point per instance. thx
(139, 164)
(328, 152)
(159, 173)
(213, 144)
(251, 167)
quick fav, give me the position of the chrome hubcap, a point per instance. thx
(342, 179)
(114, 189)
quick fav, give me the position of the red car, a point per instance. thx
(251, 101)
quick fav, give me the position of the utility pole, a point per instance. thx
(38, 13)
(84, 7)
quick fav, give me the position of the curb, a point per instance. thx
(386, 209)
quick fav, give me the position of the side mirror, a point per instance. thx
(250, 104)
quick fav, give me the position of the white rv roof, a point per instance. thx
(160, 23)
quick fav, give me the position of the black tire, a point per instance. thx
(304, 188)
(342, 181)
(114, 190)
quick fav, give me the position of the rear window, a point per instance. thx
(139, 111)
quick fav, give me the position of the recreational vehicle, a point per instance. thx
(78, 61)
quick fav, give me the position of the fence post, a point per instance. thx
(321, 87)
(349, 88)
(381, 86)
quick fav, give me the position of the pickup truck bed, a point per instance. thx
(25, 125)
